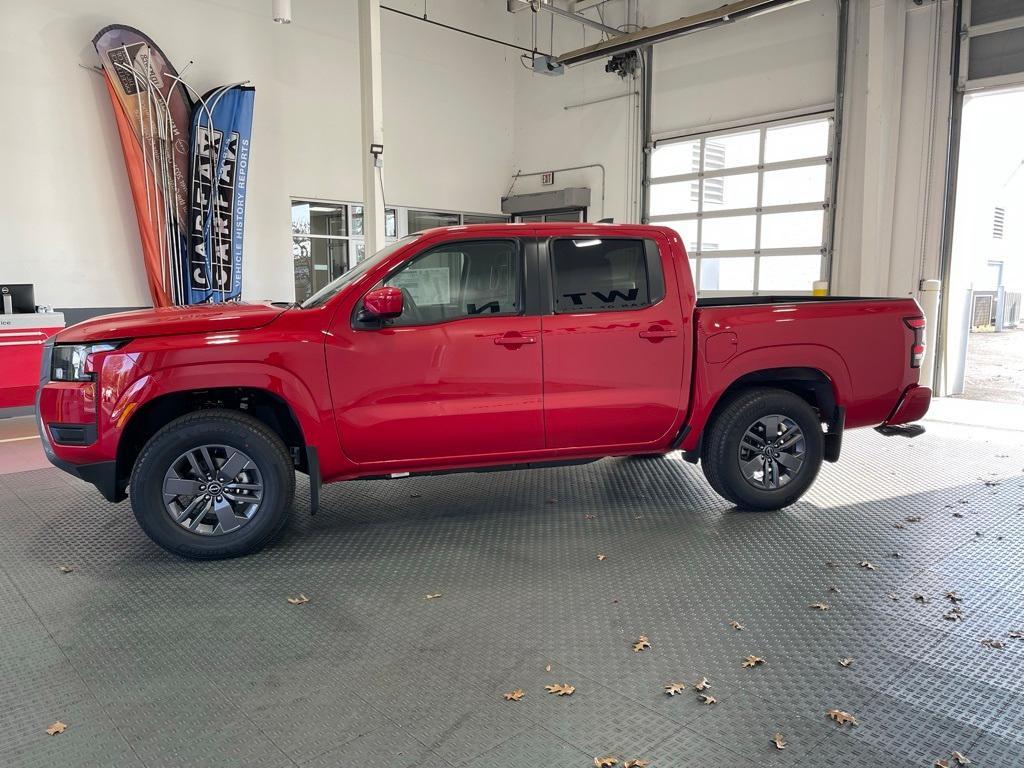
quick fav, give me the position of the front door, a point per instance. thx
(615, 346)
(457, 375)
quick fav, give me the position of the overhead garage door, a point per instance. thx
(751, 204)
(992, 53)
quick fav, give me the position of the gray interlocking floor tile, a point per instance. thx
(152, 659)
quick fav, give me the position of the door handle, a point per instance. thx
(514, 340)
(657, 332)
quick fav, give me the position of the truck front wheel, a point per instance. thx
(764, 449)
(213, 484)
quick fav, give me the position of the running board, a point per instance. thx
(900, 430)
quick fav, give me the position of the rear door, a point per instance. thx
(614, 343)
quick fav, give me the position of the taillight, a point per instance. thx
(916, 324)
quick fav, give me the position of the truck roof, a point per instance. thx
(556, 228)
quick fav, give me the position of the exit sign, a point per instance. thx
(548, 177)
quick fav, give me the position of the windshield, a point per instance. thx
(324, 294)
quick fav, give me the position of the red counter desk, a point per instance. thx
(21, 350)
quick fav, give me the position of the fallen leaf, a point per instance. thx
(960, 758)
(866, 564)
(635, 764)
(298, 600)
(819, 606)
(589, 517)
(940, 764)
(736, 625)
(753, 661)
(958, 514)
(706, 698)
(831, 563)
(605, 762)
(993, 644)
(845, 662)
(56, 728)
(642, 644)
(1017, 634)
(895, 555)
(65, 568)
(673, 689)
(703, 684)
(432, 596)
(901, 526)
(547, 668)
(953, 597)
(920, 598)
(953, 614)
(515, 695)
(914, 519)
(601, 557)
(561, 689)
(893, 596)
(779, 742)
(833, 588)
(842, 717)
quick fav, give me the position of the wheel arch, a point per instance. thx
(268, 407)
(812, 384)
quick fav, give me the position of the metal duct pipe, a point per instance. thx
(726, 14)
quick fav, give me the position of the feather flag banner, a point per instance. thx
(152, 109)
(219, 163)
(187, 158)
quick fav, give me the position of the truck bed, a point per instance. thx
(740, 301)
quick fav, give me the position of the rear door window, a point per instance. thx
(604, 275)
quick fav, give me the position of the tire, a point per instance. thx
(266, 469)
(731, 440)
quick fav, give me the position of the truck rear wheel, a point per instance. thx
(764, 449)
(213, 484)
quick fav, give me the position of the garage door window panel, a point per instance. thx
(759, 192)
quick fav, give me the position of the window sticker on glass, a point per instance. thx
(426, 285)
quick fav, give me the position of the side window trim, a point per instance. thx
(654, 269)
(521, 292)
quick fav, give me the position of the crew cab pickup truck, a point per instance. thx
(470, 348)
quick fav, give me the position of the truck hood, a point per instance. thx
(170, 321)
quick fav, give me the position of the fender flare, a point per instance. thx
(718, 379)
(223, 375)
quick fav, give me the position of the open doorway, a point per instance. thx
(984, 354)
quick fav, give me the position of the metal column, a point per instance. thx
(372, 123)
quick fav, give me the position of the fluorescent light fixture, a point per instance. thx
(586, 243)
(323, 209)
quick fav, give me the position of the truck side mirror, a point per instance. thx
(383, 303)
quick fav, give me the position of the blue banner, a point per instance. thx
(219, 165)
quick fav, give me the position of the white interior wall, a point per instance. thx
(67, 223)
(779, 62)
(460, 116)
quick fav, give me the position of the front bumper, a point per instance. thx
(102, 474)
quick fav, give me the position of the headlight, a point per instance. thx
(73, 362)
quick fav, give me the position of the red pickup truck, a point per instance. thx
(470, 348)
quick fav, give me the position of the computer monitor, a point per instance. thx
(17, 298)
